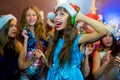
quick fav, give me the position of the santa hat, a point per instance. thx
(114, 31)
(72, 7)
(93, 16)
(5, 18)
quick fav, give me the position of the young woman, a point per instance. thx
(103, 55)
(112, 72)
(64, 56)
(12, 56)
(34, 40)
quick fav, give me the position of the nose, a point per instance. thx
(31, 16)
(57, 16)
(56, 19)
(14, 27)
(107, 37)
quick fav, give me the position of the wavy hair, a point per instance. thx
(39, 28)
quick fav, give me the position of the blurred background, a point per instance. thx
(109, 9)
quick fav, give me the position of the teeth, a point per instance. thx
(58, 23)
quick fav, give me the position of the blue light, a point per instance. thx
(111, 12)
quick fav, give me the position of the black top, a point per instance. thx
(9, 65)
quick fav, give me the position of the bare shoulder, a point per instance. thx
(96, 53)
(19, 45)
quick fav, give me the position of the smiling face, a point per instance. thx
(31, 17)
(61, 19)
(13, 29)
(108, 40)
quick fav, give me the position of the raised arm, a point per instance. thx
(85, 63)
(92, 7)
(100, 30)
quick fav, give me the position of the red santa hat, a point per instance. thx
(93, 16)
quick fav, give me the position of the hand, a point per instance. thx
(50, 23)
(93, 9)
(117, 61)
(89, 49)
(107, 57)
(38, 53)
(24, 34)
(79, 17)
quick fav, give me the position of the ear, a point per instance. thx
(73, 20)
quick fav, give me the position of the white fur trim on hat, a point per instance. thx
(5, 18)
(68, 7)
(111, 29)
(51, 15)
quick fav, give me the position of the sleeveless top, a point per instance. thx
(102, 54)
(69, 71)
(9, 64)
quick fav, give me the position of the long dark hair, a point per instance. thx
(69, 33)
(6, 40)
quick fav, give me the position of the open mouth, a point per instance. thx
(58, 24)
(14, 32)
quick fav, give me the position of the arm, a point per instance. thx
(22, 63)
(100, 30)
(93, 8)
(24, 34)
(85, 63)
(98, 66)
(85, 66)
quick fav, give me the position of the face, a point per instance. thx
(31, 17)
(61, 20)
(108, 40)
(13, 29)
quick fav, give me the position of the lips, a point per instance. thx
(108, 42)
(58, 24)
(14, 32)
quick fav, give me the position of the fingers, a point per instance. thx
(89, 49)
(24, 34)
(79, 17)
(38, 53)
(50, 23)
(117, 61)
(109, 51)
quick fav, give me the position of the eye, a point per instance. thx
(34, 15)
(12, 25)
(27, 15)
(61, 13)
(111, 35)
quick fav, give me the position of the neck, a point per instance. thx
(107, 49)
(32, 29)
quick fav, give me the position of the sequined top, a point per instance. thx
(31, 46)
